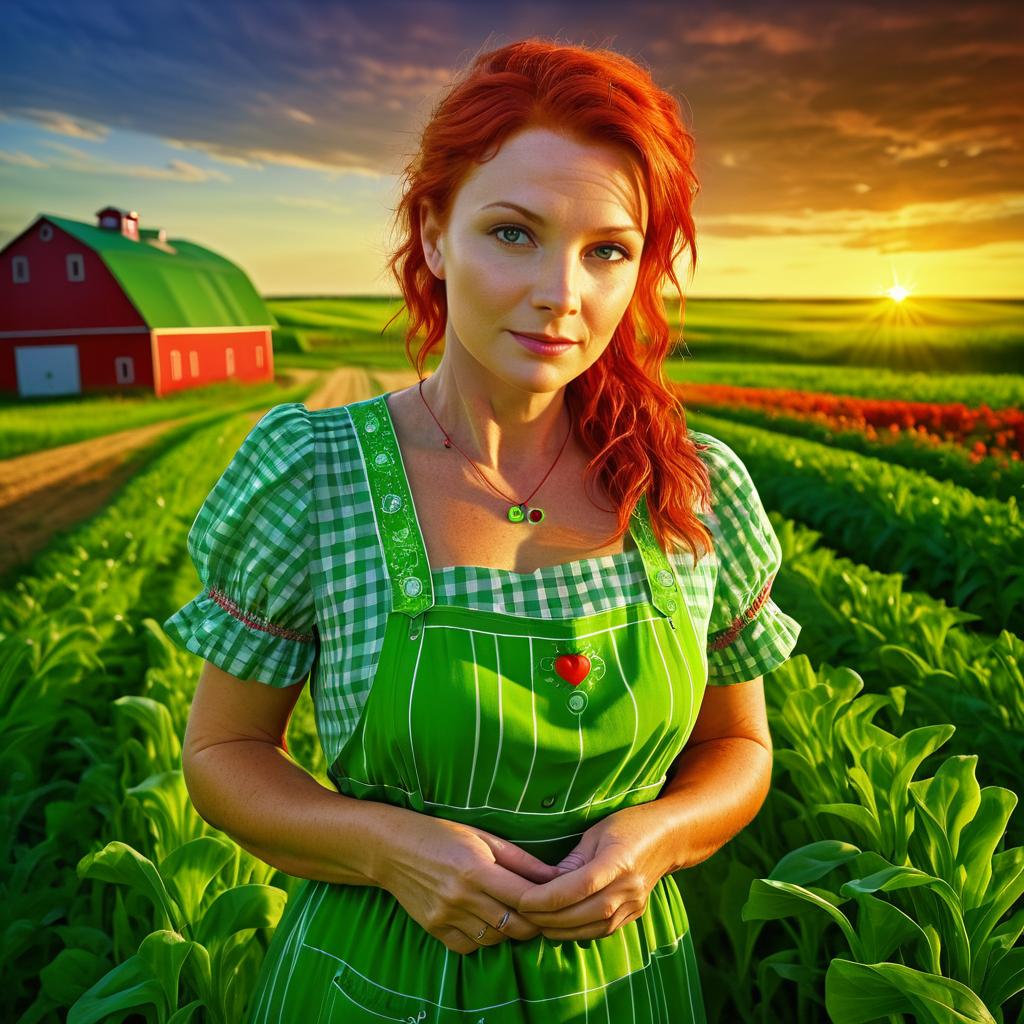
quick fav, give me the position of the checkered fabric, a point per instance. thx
(293, 572)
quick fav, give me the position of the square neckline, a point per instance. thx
(627, 554)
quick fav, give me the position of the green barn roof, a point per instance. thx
(191, 287)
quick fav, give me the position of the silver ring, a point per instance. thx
(481, 935)
(504, 920)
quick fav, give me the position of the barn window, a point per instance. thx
(229, 361)
(76, 266)
(193, 363)
(19, 267)
(124, 369)
(175, 364)
(46, 232)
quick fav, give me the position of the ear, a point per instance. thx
(433, 243)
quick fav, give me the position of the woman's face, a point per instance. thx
(563, 272)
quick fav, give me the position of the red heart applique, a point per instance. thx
(573, 668)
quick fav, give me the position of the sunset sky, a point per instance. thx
(842, 147)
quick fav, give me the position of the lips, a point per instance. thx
(549, 339)
(543, 348)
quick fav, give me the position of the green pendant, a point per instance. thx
(516, 514)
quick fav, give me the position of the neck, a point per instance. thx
(505, 430)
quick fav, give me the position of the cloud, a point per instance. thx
(957, 224)
(20, 159)
(80, 162)
(728, 29)
(64, 124)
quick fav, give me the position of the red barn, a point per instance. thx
(112, 307)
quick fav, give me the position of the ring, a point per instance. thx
(481, 935)
(504, 920)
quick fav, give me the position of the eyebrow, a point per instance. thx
(537, 219)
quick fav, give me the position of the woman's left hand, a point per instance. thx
(606, 881)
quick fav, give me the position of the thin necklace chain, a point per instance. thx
(449, 443)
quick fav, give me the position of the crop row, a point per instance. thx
(987, 477)
(946, 540)
(72, 640)
(998, 433)
(909, 645)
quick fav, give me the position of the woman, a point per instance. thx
(536, 706)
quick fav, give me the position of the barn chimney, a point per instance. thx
(126, 223)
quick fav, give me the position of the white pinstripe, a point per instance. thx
(412, 690)
(501, 718)
(533, 707)
(289, 953)
(636, 723)
(476, 741)
(629, 967)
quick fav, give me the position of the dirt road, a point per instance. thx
(52, 490)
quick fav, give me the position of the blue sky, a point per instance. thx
(840, 147)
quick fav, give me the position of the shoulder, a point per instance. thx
(729, 477)
(283, 431)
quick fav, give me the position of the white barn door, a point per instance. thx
(47, 370)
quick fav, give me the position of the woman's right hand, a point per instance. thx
(453, 879)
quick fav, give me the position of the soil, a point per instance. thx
(45, 492)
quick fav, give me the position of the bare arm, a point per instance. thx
(720, 780)
(243, 782)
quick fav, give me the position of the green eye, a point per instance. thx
(497, 232)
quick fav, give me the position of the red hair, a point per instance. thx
(626, 413)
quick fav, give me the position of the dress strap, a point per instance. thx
(661, 580)
(398, 526)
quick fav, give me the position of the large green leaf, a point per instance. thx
(188, 870)
(245, 906)
(865, 993)
(770, 900)
(813, 861)
(119, 863)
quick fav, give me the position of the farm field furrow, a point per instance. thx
(987, 477)
(946, 540)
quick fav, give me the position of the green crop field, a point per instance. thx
(882, 879)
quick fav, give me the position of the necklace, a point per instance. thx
(517, 512)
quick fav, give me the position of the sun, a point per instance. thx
(897, 293)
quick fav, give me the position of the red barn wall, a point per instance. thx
(211, 362)
(48, 300)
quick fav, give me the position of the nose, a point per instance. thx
(557, 286)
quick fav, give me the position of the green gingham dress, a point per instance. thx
(303, 568)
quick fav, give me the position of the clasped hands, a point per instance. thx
(603, 883)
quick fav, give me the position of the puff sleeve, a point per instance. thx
(748, 634)
(251, 544)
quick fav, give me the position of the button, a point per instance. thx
(412, 586)
(577, 702)
(670, 606)
(548, 801)
(665, 578)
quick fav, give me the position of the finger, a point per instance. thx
(599, 929)
(524, 864)
(572, 886)
(492, 912)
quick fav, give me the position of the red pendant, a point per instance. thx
(573, 668)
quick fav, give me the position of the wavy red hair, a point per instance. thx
(626, 413)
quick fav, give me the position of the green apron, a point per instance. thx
(470, 719)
